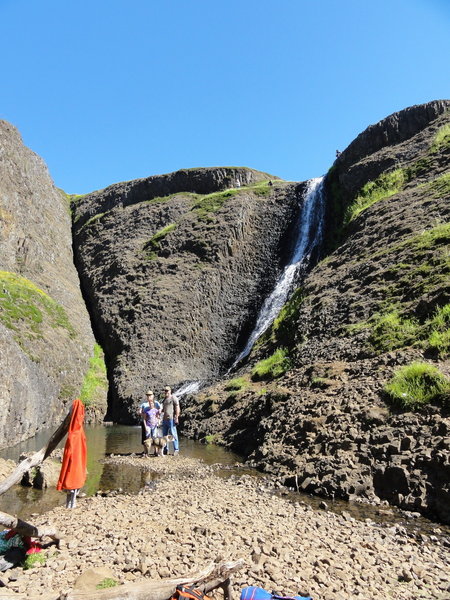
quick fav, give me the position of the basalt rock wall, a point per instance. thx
(45, 334)
(174, 269)
(325, 425)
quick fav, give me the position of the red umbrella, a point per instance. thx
(73, 468)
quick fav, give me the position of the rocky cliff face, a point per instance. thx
(175, 268)
(45, 333)
(367, 309)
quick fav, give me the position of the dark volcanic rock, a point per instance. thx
(403, 138)
(175, 268)
(45, 333)
(324, 426)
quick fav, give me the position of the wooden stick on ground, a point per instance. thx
(217, 575)
(24, 528)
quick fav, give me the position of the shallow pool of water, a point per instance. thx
(122, 439)
(101, 441)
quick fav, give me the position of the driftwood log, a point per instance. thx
(24, 528)
(32, 461)
(37, 458)
(213, 577)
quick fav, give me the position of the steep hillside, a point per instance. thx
(174, 268)
(45, 335)
(313, 409)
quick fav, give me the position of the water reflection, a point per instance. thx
(122, 439)
(101, 440)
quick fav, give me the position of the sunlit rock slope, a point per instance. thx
(310, 404)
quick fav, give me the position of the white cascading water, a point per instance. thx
(309, 238)
(192, 387)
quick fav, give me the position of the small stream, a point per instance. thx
(122, 439)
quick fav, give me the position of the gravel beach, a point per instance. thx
(192, 516)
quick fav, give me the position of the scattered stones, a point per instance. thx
(180, 525)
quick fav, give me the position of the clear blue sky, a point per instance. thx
(112, 90)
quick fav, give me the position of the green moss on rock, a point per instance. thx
(272, 367)
(441, 139)
(152, 247)
(95, 382)
(25, 309)
(383, 187)
(237, 384)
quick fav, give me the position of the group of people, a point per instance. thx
(159, 419)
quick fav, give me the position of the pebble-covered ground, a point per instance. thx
(192, 517)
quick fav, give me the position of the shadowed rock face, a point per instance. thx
(174, 269)
(324, 425)
(45, 333)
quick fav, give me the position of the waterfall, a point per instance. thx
(309, 239)
(192, 387)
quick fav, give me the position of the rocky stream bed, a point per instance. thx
(193, 515)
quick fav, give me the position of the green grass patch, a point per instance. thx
(108, 582)
(25, 308)
(416, 385)
(237, 384)
(344, 209)
(34, 560)
(439, 187)
(74, 198)
(390, 331)
(419, 168)
(95, 382)
(162, 199)
(438, 328)
(272, 367)
(211, 203)
(429, 239)
(383, 187)
(206, 206)
(284, 329)
(152, 247)
(393, 330)
(262, 189)
(93, 220)
(441, 139)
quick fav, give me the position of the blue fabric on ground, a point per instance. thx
(253, 592)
